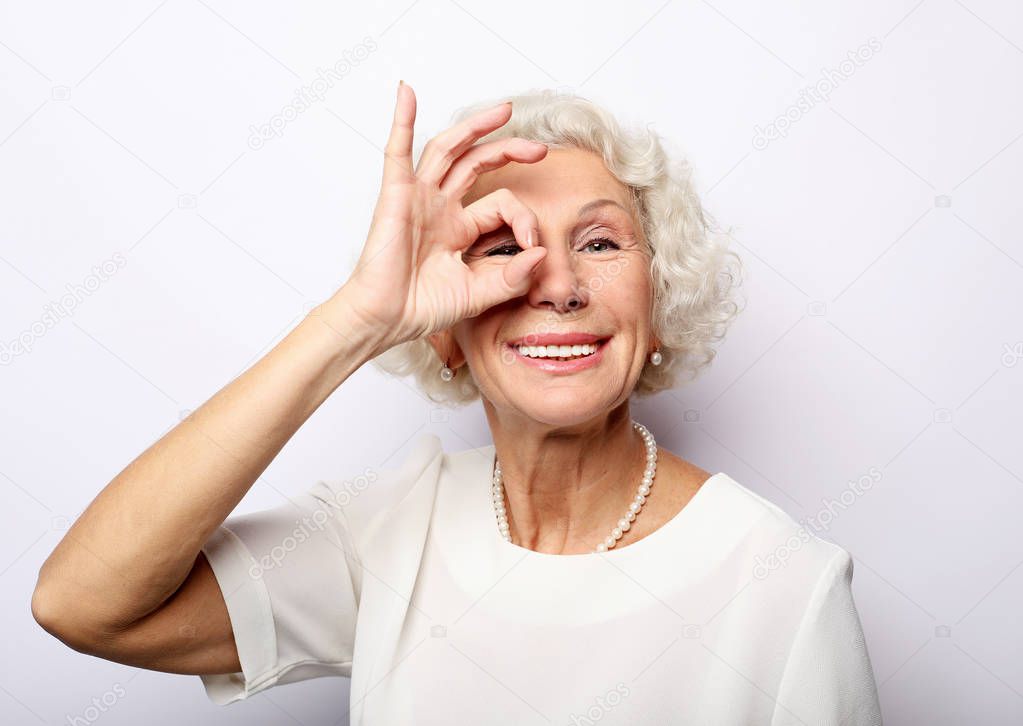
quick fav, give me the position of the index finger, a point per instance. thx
(398, 152)
(488, 156)
(443, 149)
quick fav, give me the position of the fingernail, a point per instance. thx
(529, 238)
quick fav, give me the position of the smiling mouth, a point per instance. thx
(559, 352)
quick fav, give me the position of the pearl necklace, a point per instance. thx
(624, 524)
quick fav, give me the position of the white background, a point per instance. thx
(880, 236)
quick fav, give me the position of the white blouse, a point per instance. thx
(730, 613)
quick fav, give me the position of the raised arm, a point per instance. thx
(138, 541)
(128, 581)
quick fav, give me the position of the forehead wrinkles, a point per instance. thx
(570, 176)
(565, 204)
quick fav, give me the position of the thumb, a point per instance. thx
(518, 272)
(499, 284)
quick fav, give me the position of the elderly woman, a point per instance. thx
(544, 260)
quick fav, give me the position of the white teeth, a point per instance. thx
(557, 351)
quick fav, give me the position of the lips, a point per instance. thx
(557, 339)
(554, 366)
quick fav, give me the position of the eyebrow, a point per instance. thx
(600, 203)
(589, 206)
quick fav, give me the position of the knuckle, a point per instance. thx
(511, 200)
(437, 145)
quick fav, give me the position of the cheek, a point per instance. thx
(623, 281)
(475, 336)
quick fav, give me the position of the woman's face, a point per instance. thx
(593, 287)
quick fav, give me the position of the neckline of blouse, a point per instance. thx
(483, 469)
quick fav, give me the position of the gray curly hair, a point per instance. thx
(692, 281)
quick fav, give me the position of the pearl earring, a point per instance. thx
(656, 358)
(446, 373)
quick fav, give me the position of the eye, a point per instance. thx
(501, 250)
(602, 241)
(513, 249)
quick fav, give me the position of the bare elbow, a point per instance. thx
(43, 610)
(48, 613)
(57, 618)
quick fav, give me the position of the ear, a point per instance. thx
(447, 348)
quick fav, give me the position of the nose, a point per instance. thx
(556, 285)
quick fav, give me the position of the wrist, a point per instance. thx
(346, 330)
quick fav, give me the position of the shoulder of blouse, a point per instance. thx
(368, 498)
(782, 541)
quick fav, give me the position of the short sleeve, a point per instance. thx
(828, 678)
(291, 576)
(286, 574)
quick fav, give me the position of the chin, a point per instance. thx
(563, 404)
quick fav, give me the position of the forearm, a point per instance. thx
(137, 541)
